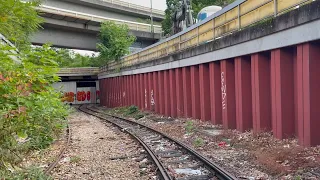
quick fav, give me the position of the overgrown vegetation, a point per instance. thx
(31, 113)
(114, 42)
(18, 20)
(198, 142)
(128, 111)
(189, 127)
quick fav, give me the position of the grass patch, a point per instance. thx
(75, 159)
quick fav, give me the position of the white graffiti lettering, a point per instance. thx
(145, 98)
(224, 91)
(152, 99)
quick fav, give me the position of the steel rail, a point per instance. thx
(159, 165)
(54, 164)
(219, 171)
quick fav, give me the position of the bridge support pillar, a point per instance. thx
(195, 92)
(186, 91)
(179, 92)
(282, 93)
(308, 97)
(261, 101)
(173, 95)
(228, 94)
(161, 92)
(243, 93)
(204, 92)
(215, 92)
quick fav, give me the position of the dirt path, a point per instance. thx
(94, 150)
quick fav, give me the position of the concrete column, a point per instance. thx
(179, 92)
(282, 93)
(204, 80)
(215, 92)
(167, 96)
(173, 95)
(243, 93)
(161, 92)
(308, 94)
(261, 95)
(186, 91)
(195, 91)
(228, 94)
(156, 92)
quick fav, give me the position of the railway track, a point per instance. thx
(174, 160)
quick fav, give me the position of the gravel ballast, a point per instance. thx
(100, 151)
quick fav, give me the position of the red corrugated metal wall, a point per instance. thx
(276, 90)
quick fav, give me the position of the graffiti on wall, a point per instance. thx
(152, 98)
(145, 97)
(223, 90)
(68, 97)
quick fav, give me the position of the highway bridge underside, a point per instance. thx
(275, 90)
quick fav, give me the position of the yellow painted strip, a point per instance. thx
(230, 26)
(284, 4)
(206, 36)
(233, 13)
(250, 5)
(257, 14)
(205, 27)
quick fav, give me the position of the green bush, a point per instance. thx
(132, 110)
(31, 113)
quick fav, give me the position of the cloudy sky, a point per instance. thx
(156, 4)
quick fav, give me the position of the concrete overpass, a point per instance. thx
(232, 69)
(75, 24)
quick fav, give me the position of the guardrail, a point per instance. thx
(89, 17)
(134, 6)
(234, 17)
(78, 71)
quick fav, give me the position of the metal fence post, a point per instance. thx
(275, 7)
(239, 19)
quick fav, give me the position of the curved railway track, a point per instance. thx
(175, 160)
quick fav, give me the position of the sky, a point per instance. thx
(156, 4)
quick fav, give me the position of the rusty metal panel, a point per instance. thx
(228, 94)
(257, 14)
(243, 93)
(215, 92)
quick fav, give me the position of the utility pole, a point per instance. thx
(151, 16)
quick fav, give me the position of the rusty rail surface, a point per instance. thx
(234, 17)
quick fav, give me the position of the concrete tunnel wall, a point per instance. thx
(274, 90)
